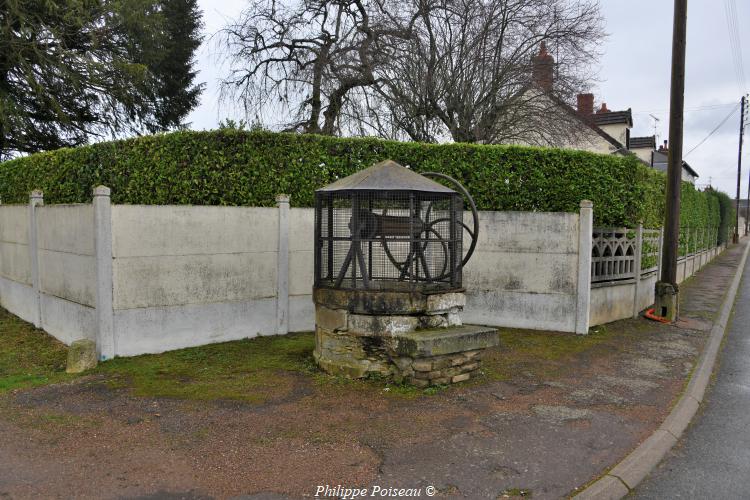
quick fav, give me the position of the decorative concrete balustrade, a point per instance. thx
(626, 263)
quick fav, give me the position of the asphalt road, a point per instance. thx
(712, 460)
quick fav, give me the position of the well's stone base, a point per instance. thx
(439, 370)
(423, 342)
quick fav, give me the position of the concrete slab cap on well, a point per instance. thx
(390, 302)
(440, 341)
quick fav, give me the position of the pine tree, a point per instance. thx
(74, 70)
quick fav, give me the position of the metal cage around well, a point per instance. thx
(387, 228)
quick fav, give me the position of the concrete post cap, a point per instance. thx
(587, 204)
(102, 191)
(37, 193)
(282, 198)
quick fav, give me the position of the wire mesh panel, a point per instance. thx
(388, 240)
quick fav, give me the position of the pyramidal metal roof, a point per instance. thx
(386, 176)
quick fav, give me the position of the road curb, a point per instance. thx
(626, 475)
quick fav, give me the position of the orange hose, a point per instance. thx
(650, 315)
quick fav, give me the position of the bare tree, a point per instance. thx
(308, 58)
(425, 70)
(474, 73)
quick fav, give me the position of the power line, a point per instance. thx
(708, 107)
(713, 131)
(732, 21)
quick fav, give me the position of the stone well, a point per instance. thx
(388, 296)
(412, 336)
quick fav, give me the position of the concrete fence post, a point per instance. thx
(105, 334)
(638, 258)
(585, 236)
(282, 272)
(36, 199)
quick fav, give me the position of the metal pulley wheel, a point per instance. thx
(474, 230)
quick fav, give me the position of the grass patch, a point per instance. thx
(28, 356)
(257, 370)
(250, 370)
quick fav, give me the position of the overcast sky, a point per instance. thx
(634, 73)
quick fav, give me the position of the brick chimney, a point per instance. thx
(603, 109)
(664, 148)
(585, 104)
(543, 65)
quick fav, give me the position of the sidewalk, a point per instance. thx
(711, 459)
(552, 413)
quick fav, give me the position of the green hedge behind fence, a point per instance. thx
(232, 167)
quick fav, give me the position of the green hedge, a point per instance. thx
(232, 167)
(726, 215)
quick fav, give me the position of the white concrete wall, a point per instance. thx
(182, 276)
(16, 291)
(191, 275)
(63, 301)
(524, 271)
(301, 272)
(614, 301)
(67, 271)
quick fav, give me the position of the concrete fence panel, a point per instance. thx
(301, 272)
(17, 293)
(189, 275)
(67, 271)
(524, 272)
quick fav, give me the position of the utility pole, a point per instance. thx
(666, 289)
(736, 237)
(743, 118)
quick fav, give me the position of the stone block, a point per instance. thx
(330, 319)
(441, 381)
(437, 342)
(403, 363)
(460, 378)
(409, 302)
(445, 302)
(420, 383)
(458, 360)
(454, 319)
(469, 367)
(433, 321)
(342, 368)
(422, 365)
(81, 356)
(388, 325)
(440, 363)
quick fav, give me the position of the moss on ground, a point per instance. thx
(541, 353)
(264, 368)
(245, 370)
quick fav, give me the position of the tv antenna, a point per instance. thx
(656, 128)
